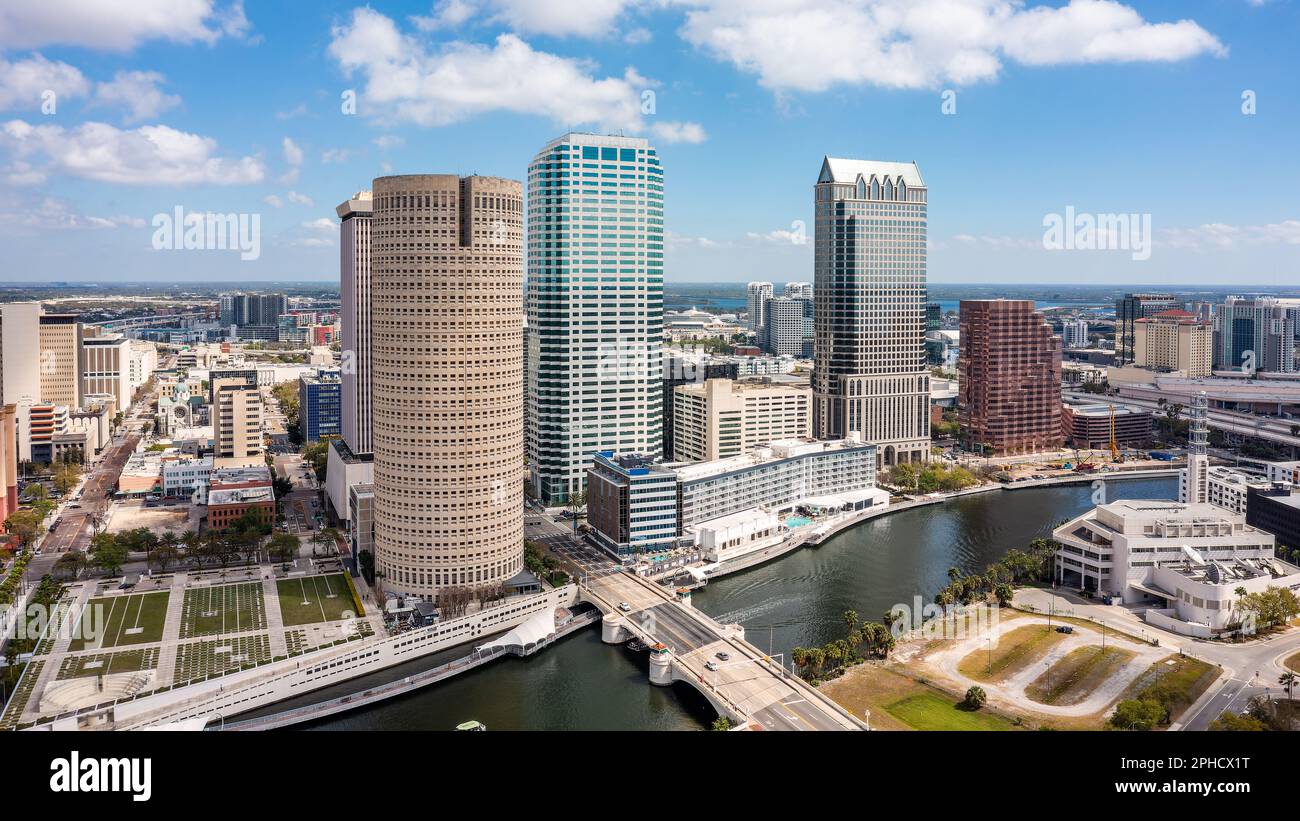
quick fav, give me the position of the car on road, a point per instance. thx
(74, 505)
(709, 665)
(1065, 628)
(625, 607)
(723, 655)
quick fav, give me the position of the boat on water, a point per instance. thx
(471, 727)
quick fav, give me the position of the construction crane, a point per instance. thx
(1115, 455)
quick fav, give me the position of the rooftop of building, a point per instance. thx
(241, 475)
(1102, 410)
(773, 452)
(1198, 569)
(844, 170)
(240, 495)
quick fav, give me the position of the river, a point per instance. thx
(580, 684)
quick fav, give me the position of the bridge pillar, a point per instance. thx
(661, 668)
(613, 629)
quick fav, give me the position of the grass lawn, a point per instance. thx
(313, 599)
(1183, 679)
(126, 661)
(1293, 662)
(1014, 651)
(1073, 678)
(878, 689)
(225, 608)
(114, 621)
(931, 711)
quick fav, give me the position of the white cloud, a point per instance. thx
(292, 153)
(297, 111)
(334, 155)
(293, 156)
(1221, 236)
(638, 36)
(113, 25)
(51, 213)
(300, 199)
(273, 201)
(138, 93)
(591, 18)
(406, 81)
(388, 141)
(446, 14)
(324, 224)
(812, 46)
(148, 155)
(677, 132)
(22, 82)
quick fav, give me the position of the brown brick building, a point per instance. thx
(1009, 378)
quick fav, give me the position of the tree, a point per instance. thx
(70, 564)
(850, 619)
(1237, 723)
(1004, 593)
(284, 547)
(1288, 680)
(1135, 714)
(66, 477)
(721, 724)
(25, 524)
(975, 698)
(36, 491)
(903, 476)
(108, 553)
(163, 555)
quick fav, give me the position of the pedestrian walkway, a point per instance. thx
(274, 618)
(172, 629)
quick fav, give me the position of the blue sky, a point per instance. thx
(214, 106)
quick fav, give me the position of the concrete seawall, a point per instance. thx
(804, 540)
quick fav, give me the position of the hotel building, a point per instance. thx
(1174, 340)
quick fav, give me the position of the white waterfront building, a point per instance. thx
(1186, 559)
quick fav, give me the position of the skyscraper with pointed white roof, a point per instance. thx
(870, 376)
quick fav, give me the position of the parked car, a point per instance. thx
(1065, 628)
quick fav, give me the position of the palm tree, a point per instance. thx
(1288, 680)
(850, 618)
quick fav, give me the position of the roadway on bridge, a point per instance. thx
(762, 690)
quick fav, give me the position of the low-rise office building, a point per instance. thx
(1225, 488)
(233, 493)
(1188, 560)
(1276, 509)
(1088, 426)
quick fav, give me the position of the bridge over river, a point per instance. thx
(751, 688)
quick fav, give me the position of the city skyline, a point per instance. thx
(139, 99)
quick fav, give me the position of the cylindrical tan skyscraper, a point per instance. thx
(447, 281)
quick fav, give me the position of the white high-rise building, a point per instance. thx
(595, 307)
(799, 290)
(354, 290)
(1074, 333)
(783, 326)
(20, 362)
(757, 295)
(869, 372)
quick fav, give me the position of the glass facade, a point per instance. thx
(594, 305)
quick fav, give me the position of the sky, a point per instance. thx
(1028, 120)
